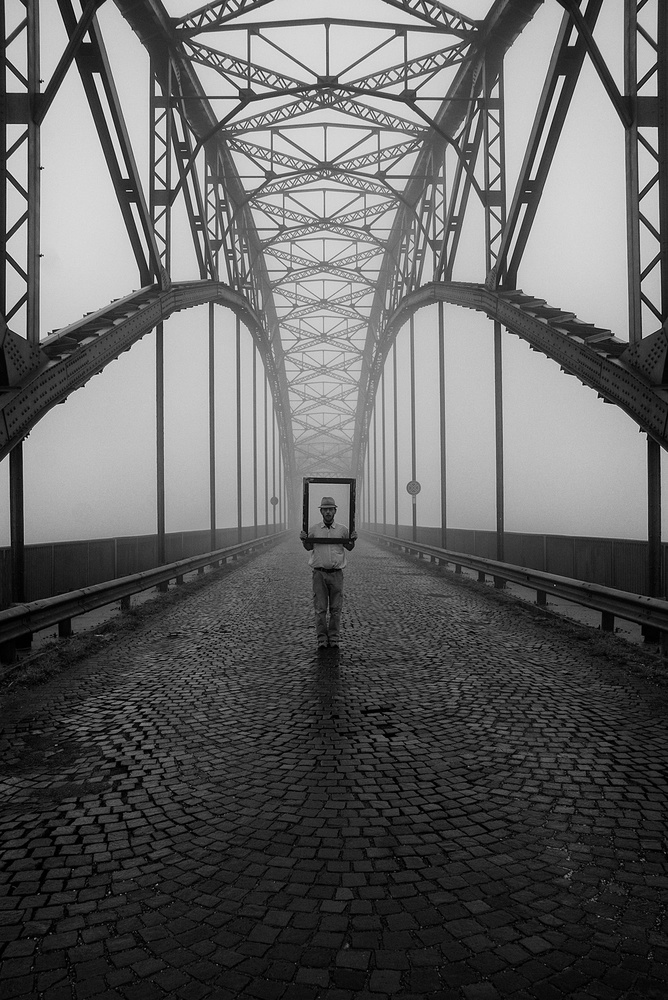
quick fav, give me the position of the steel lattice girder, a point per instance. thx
(416, 229)
(72, 356)
(344, 97)
(590, 353)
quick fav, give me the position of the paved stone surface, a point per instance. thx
(466, 803)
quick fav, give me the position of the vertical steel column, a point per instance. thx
(384, 449)
(396, 442)
(5, 173)
(632, 172)
(498, 415)
(34, 185)
(160, 211)
(363, 490)
(20, 225)
(20, 190)
(495, 218)
(654, 559)
(266, 456)
(16, 523)
(160, 442)
(273, 465)
(375, 468)
(238, 367)
(255, 439)
(281, 491)
(212, 428)
(647, 212)
(413, 439)
(662, 143)
(367, 482)
(442, 415)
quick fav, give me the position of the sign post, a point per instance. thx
(413, 488)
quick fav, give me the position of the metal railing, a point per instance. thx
(649, 612)
(22, 620)
(52, 568)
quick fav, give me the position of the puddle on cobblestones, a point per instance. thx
(40, 751)
(74, 790)
(45, 797)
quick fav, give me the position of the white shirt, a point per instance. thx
(324, 555)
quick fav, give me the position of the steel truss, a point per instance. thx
(327, 189)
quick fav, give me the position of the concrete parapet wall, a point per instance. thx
(611, 562)
(58, 567)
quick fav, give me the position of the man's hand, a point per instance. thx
(303, 535)
(353, 536)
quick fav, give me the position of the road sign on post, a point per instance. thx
(413, 487)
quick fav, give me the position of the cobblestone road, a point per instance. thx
(467, 802)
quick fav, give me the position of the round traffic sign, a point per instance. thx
(273, 501)
(413, 487)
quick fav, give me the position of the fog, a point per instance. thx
(573, 464)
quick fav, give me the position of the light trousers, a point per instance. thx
(327, 596)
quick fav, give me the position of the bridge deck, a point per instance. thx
(468, 802)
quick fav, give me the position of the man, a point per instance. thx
(327, 561)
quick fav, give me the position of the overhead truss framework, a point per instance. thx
(327, 164)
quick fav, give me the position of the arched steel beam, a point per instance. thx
(436, 14)
(619, 373)
(68, 359)
(504, 23)
(155, 30)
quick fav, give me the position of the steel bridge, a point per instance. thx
(321, 171)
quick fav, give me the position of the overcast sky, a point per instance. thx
(574, 465)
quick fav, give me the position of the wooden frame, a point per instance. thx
(324, 483)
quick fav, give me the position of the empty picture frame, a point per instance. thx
(343, 492)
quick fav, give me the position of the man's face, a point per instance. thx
(328, 514)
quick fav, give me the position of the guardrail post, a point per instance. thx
(8, 652)
(607, 621)
(663, 645)
(609, 602)
(179, 581)
(65, 628)
(19, 622)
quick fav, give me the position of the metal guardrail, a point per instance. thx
(23, 620)
(650, 612)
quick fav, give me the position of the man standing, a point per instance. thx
(327, 561)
